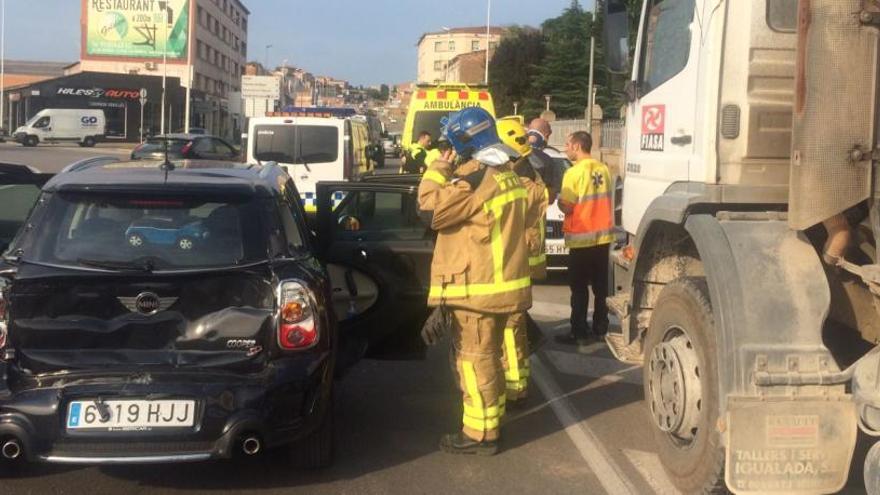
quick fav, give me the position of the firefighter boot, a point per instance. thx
(459, 443)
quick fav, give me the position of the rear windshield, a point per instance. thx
(296, 143)
(428, 121)
(149, 232)
(156, 145)
(16, 202)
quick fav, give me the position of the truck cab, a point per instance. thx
(743, 287)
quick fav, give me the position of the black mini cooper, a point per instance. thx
(156, 313)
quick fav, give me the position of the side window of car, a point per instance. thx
(43, 122)
(203, 147)
(222, 148)
(667, 41)
(292, 218)
(379, 216)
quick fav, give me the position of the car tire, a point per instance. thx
(315, 450)
(31, 141)
(89, 142)
(185, 244)
(681, 387)
(136, 241)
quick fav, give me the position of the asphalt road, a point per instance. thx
(51, 158)
(584, 430)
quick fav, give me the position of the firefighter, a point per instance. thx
(588, 226)
(480, 271)
(415, 159)
(515, 352)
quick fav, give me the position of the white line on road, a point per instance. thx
(572, 363)
(609, 474)
(648, 465)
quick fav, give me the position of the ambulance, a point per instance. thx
(430, 103)
(312, 145)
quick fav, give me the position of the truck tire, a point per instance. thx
(315, 450)
(31, 141)
(88, 142)
(681, 387)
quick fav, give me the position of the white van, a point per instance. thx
(54, 125)
(312, 146)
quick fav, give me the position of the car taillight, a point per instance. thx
(186, 147)
(297, 328)
(3, 320)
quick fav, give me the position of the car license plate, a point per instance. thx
(555, 249)
(130, 414)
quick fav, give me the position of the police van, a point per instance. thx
(312, 145)
(430, 103)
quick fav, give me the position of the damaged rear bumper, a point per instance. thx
(274, 407)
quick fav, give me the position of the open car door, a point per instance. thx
(378, 253)
(19, 189)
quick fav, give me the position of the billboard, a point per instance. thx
(136, 28)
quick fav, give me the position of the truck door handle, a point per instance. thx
(683, 140)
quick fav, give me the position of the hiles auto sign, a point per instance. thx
(105, 93)
(653, 127)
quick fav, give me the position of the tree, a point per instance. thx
(564, 71)
(513, 67)
(384, 92)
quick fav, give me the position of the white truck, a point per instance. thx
(749, 284)
(55, 125)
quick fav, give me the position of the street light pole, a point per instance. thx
(164, 66)
(590, 95)
(2, 59)
(189, 68)
(267, 57)
(488, 34)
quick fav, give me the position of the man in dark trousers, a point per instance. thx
(415, 161)
(586, 200)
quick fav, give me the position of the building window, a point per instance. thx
(438, 46)
(451, 46)
(244, 25)
(199, 14)
(493, 45)
(243, 49)
(475, 45)
(438, 65)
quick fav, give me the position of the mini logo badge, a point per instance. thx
(147, 303)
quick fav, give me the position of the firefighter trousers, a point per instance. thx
(515, 356)
(477, 338)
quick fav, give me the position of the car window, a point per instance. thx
(43, 122)
(428, 121)
(157, 145)
(204, 146)
(372, 215)
(296, 143)
(16, 202)
(292, 219)
(782, 15)
(222, 148)
(667, 41)
(170, 232)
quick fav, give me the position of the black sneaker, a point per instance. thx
(459, 443)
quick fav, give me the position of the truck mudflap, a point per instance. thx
(787, 445)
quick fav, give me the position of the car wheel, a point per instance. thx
(681, 387)
(315, 450)
(31, 141)
(135, 241)
(89, 142)
(185, 244)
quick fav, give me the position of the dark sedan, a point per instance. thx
(185, 146)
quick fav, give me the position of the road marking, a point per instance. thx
(597, 458)
(649, 466)
(573, 363)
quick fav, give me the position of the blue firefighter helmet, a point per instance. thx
(470, 130)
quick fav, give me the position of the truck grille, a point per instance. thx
(554, 229)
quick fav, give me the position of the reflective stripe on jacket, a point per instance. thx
(587, 203)
(481, 259)
(536, 219)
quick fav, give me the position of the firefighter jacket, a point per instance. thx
(587, 203)
(481, 261)
(437, 176)
(536, 216)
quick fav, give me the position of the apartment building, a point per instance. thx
(211, 35)
(437, 50)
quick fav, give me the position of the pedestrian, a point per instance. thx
(480, 272)
(515, 352)
(415, 156)
(586, 201)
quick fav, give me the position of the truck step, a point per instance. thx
(631, 354)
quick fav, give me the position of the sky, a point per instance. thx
(365, 42)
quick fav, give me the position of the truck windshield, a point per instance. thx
(428, 121)
(118, 231)
(293, 144)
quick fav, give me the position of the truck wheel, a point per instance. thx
(31, 141)
(681, 388)
(89, 142)
(315, 450)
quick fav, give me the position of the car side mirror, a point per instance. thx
(349, 223)
(616, 36)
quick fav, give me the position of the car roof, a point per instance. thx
(180, 135)
(188, 176)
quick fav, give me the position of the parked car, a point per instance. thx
(186, 146)
(194, 130)
(56, 125)
(391, 146)
(166, 232)
(114, 353)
